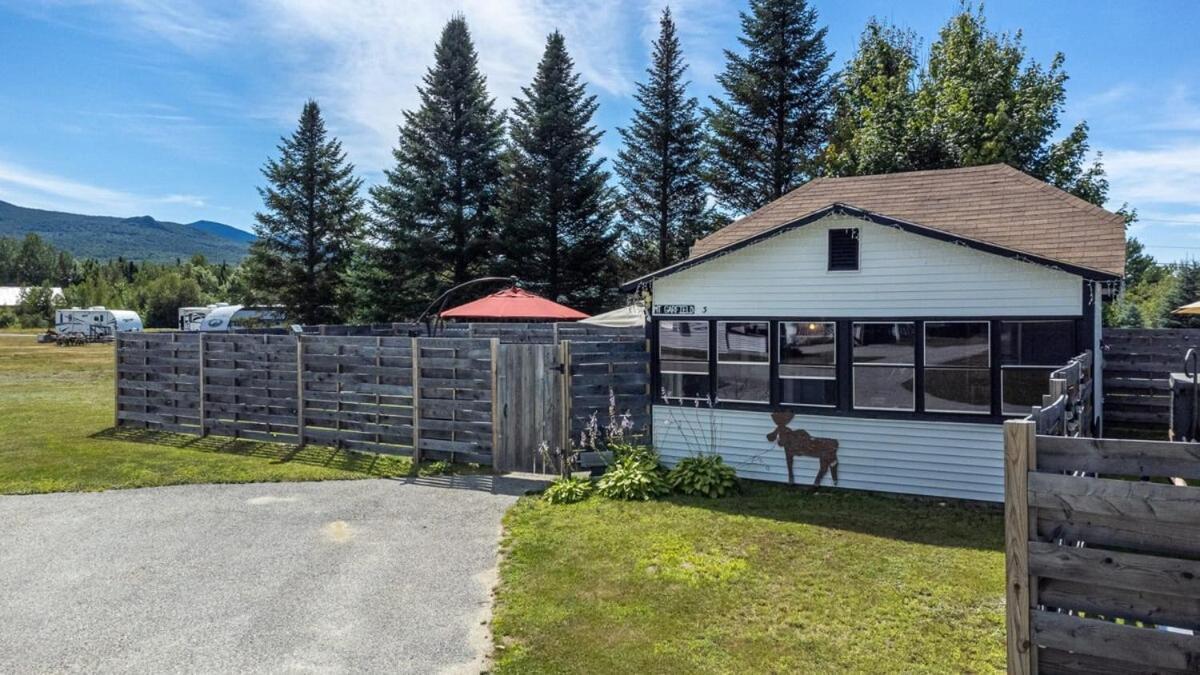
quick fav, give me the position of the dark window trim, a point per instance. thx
(844, 365)
(776, 361)
(991, 365)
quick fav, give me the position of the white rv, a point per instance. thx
(191, 319)
(232, 317)
(95, 322)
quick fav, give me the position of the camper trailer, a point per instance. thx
(240, 317)
(192, 318)
(95, 323)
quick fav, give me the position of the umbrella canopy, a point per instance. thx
(625, 317)
(1193, 308)
(513, 304)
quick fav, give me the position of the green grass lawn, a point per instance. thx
(56, 418)
(775, 580)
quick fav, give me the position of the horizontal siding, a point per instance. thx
(901, 274)
(939, 459)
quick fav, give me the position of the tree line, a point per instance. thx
(477, 190)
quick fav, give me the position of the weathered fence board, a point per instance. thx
(1137, 366)
(1089, 544)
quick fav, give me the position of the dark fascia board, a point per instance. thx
(862, 214)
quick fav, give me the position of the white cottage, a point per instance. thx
(879, 327)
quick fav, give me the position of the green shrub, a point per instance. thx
(438, 468)
(638, 453)
(706, 475)
(633, 478)
(7, 319)
(568, 490)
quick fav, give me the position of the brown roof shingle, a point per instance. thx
(996, 204)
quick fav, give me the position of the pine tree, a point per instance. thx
(767, 135)
(435, 215)
(1184, 291)
(312, 217)
(663, 201)
(557, 208)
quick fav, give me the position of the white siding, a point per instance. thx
(941, 459)
(901, 274)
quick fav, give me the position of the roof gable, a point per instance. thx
(994, 204)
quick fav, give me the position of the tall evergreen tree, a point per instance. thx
(767, 134)
(311, 219)
(434, 217)
(1184, 291)
(557, 208)
(663, 202)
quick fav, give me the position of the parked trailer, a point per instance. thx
(95, 323)
(233, 317)
(191, 319)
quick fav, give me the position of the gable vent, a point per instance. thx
(843, 249)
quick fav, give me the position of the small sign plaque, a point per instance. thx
(668, 310)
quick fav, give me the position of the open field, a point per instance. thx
(774, 580)
(56, 416)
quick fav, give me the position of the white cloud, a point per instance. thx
(1164, 174)
(36, 189)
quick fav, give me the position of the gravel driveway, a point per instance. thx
(342, 576)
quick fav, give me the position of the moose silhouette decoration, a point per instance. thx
(799, 443)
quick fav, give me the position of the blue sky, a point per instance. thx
(170, 107)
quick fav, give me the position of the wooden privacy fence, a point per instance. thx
(1102, 541)
(1067, 410)
(1137, 367)
(467, 399)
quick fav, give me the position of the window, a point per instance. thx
(743, 361)
(1029, 352)
(808, 363)
(958, 376)
(843, 250)
(884, 372)
(683, 359)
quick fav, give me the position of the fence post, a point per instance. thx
(1020, 452)
(416, 400)
(300, 439)
(203, 407)
(117, 380)
(495, 345)
(564, 358)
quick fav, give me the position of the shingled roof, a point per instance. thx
(994, 204)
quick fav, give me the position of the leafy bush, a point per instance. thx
(568, 490)
(637, 453)
(706, 475)
(633, 478)
(7, 319)
(438, 468)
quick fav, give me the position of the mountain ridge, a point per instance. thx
(141, 238)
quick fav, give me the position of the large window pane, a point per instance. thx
(683, 359)
(957, 344)
(1024, 388)
(1037, 343)
(890, 343)
(808, 391)
(808, 363)
(683, 340)
(743, 382)
(742, 341)
(958, 390)
(883, 387)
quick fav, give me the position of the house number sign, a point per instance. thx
(674, 309)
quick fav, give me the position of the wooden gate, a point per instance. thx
(529, 396)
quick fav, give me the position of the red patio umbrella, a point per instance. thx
(513, 304)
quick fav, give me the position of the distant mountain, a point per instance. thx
(139, 238)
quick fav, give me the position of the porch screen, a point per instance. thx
(884, 365)
(743, 361)
(683, 359)
(808, 363)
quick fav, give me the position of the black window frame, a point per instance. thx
(778, 379)
(844, 366)
(989, 368)
(913, 365)
(766, 365)
(656, 357)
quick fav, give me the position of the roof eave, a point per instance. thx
(879, 219)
